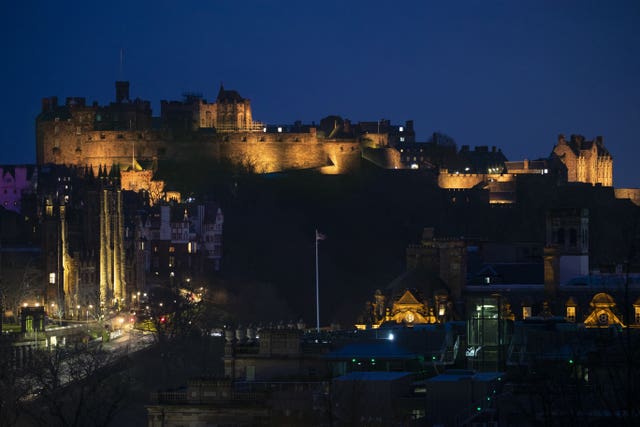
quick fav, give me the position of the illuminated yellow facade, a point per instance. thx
(603, 312)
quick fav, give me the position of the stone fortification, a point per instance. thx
(92, 135)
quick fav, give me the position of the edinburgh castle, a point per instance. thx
(92, 135)
(125, 131)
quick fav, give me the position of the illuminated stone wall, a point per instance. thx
(388, 158)
(632, 194)
(586, 161)
(465, 181)
(62, 143)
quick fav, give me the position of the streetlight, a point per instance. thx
(78, 312)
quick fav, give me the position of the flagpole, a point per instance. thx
(317, 287)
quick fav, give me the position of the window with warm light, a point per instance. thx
(52, 278)
(571, 314)
(526, 312)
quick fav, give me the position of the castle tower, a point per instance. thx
(586, 161)
(233, 112)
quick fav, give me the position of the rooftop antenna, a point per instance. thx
(121, 62)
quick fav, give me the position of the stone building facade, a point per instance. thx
(87, 240)
(586, 161)
(91, 135)
(14, 182)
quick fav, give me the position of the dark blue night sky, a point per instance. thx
(514, 74)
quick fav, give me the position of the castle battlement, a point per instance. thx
(82, 135)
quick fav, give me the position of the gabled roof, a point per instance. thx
(228, 95)
(408, 299)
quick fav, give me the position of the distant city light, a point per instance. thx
(414, 166)
(279, 129)
(401, 128)
(390, 337)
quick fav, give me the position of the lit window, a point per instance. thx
(52, 278)
(401, 129)
(279, 129)
(571, 314)
(172, 261)
(526, 312)
(637, 310)
(402, 139)
(172, 249)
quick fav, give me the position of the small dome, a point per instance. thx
(603, 299)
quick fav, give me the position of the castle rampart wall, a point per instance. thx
(465, 181)
(388, 158)
(262, 152)
(632, 194)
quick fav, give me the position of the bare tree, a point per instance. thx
(21, 283)
(77, 386)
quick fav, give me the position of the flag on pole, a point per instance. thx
(320, 236)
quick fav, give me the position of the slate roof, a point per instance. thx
(228, 95)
